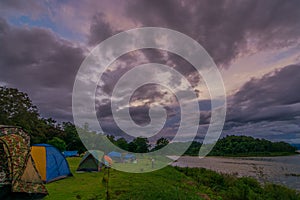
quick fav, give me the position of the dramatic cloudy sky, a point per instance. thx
(255, 44)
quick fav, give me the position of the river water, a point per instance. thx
(284, 170)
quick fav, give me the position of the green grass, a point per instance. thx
(144, 164)
(167, 183)
(228, 187)
(79, 186)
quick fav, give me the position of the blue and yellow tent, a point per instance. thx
(50, 162)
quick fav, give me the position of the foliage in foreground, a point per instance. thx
(230, 187)
(168, 183)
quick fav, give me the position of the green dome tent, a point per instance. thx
(91, 161)
(17, 168)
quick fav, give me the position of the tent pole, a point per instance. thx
(107, 192)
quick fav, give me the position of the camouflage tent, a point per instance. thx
(17, 167)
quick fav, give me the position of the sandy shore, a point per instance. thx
(280, 170)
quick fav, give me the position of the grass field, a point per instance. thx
(167, 183)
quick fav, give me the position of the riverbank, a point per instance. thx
(284, 170)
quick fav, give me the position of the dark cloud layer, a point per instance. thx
(100, 29)
(267, 107)
(274, 97)
(226, 29)
(40, 63)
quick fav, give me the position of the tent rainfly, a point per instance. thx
(50, 162)
(116, 156)
(70, 153)
(107, 161)
(17, 168)
(92, 161)
(129, 157)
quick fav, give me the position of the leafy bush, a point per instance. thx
(229, 187)
(58, 143)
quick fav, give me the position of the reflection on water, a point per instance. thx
(283, 170)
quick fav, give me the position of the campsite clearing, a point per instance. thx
(167, 183)
(78, 186)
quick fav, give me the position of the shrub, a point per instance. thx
(58, 143)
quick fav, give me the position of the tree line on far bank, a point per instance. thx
(233, 145)
(228, 146)
(17, 109)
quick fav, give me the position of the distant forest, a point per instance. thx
(17, 109)
(245, 146)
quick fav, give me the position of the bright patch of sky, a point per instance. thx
(257, 65)
(45, 22)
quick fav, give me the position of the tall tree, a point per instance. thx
(58, 143)
(139, 145)
(73, 142)
(122, 143)
(160, 143)
(15, 105)
(17, 109)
